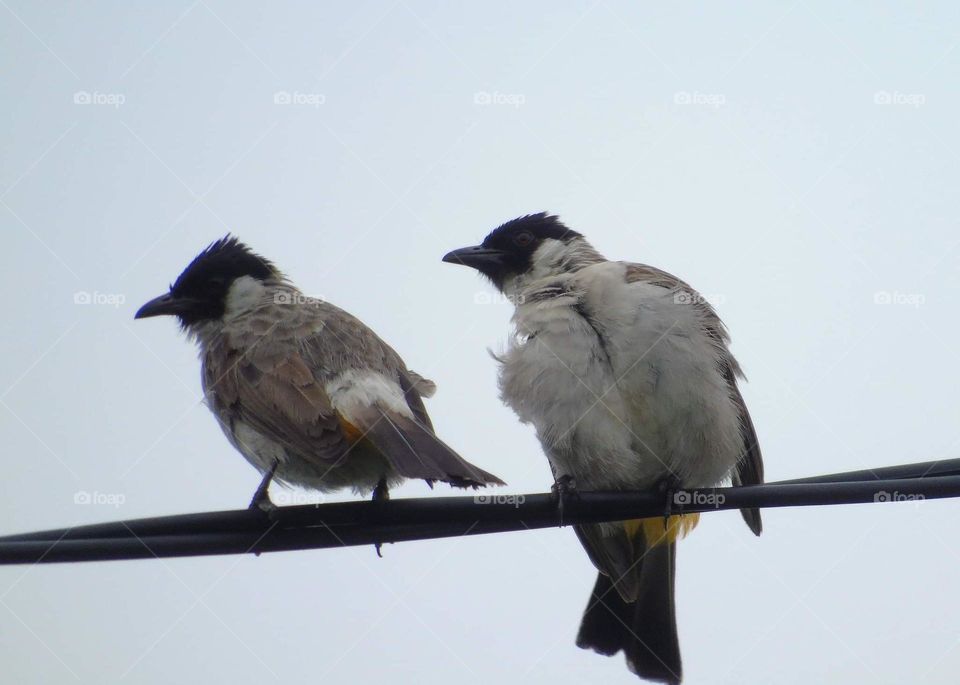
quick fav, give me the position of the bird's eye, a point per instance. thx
(523, 239)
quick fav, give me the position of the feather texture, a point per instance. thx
(300, 381)
(626, 374)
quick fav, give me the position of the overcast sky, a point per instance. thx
(797, 163)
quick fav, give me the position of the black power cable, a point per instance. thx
(364, 523)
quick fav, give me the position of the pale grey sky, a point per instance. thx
(796, 162)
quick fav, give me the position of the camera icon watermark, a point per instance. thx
(84, 297)
(285, 97)
(283, 498)
(698, 499)
(109, 499)
(885, 297)
(897, 496)
(485, 98)
(516, 501)
(286, 297)
(484, 297)
(688, 297)
(85, 97)
(712, 100)
(886, 97)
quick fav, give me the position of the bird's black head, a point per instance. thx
(510, 248)
(200, 292)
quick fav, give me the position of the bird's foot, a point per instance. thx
(669, 487)
(565, 490)
(381, 493)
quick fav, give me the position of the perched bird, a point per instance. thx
(626, 374)
(302, 389)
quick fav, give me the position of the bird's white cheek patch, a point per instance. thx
(548, 254)
(353, 392)
(244, 294)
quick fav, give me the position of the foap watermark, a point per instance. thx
(484, 297)
(698, 498)
(284, 297)
(285, 97)
(515, 501)
(485, 97)
(899, 298)
(895, 97)
(688, 297)
(284, 498)
(85, 97)
(714, 100)
(897, 496)
(108, 499)
(96, 297)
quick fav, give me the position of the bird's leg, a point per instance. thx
(381, 493)
(563, 488)
(261, 498)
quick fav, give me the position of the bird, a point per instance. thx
(305, 391)
(626, 374)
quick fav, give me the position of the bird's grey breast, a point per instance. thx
(556, 374)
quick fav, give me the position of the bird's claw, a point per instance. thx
(381, 494)
(261, 497)
(668, 487)
(266, 506)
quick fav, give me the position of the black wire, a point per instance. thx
(364, 523)
(403, 511)
(924, 469)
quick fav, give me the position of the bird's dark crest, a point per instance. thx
(542, 225)
(223, 260)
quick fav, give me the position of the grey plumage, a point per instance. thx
(749, 468)
(626, 374)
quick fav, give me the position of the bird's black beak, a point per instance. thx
(477, 256)
(161, 306)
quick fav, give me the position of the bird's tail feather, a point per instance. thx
(415, 452)
(646, 629)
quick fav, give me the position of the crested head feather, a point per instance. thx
(542, 224)
(227, 258)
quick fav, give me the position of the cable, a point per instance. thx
(365, 523)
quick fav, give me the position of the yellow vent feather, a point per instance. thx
(658, 529)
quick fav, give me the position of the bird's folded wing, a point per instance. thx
(278, 396)
(403, 435)
(285, 394)
(749, 469)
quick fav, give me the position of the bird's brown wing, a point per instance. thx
(279, 397)
(406, 441)
(278, 387)
(749, 470)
